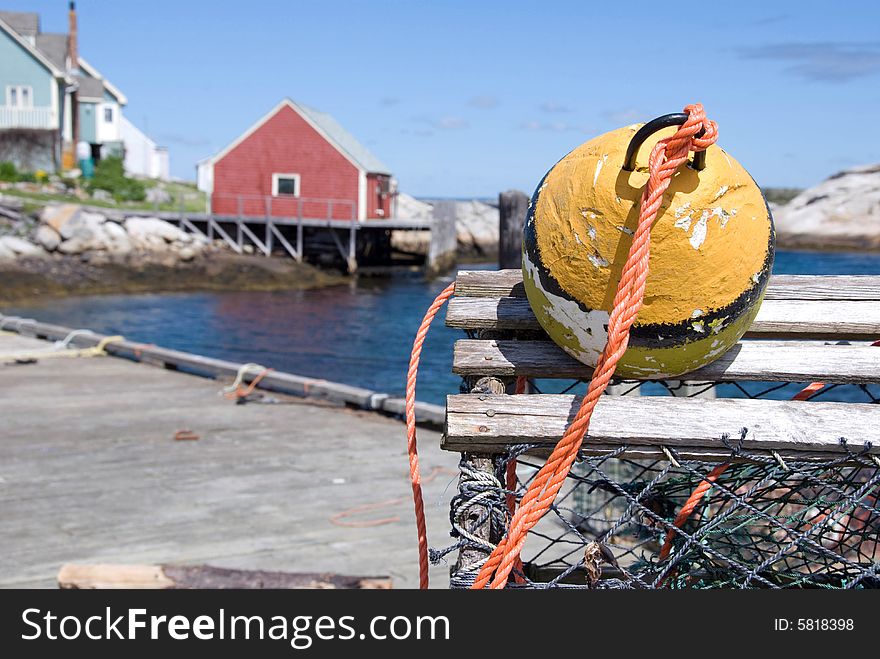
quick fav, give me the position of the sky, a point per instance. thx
(465, 99)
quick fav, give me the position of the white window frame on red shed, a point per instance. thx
(280, 175)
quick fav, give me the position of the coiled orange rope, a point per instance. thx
(667, 156)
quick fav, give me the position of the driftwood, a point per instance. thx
(205, 577)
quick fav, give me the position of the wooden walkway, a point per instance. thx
(349, 242)
(90, 473)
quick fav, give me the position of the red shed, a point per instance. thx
(297, 161)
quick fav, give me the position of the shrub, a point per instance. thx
(8, 172)
(110, 176)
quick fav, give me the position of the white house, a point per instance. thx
(143, 157)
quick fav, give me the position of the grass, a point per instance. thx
(194, 200)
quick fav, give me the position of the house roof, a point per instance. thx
(109, 86)
(345, 140)
(90, 87)
(50, 49)
(25, 43)
(327, 127)
(26, 24)
(54, 47)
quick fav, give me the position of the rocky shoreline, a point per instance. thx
(42, 278)
(842, 213)
(67, 250)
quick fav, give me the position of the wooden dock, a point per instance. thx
(90, 472)
(325, 238)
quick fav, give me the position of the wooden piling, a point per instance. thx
(443, 247)
(512, 208)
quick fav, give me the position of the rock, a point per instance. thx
(116, 240)
(48, 237)
(410, 208)
(158, 195)
(6, 254)
(186, 254)
(20, 247)
(102, 195)
(148, 231)
(476, 225)
(57, 215)
(842, 212)
(74, 246)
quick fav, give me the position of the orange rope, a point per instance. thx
(510, 485)
(411, 444)
(666, 158)
(689, 505)
(242, 391)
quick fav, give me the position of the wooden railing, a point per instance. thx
(283, 206)
(40, 117)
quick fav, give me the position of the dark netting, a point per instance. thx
(765, 521)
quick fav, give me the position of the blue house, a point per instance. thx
(51, 99)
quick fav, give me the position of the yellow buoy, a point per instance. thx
(712, 248)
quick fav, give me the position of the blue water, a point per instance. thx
(360, 334)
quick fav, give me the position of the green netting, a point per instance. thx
(766, 522)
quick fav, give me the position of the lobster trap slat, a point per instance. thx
(786, 491)
(768, 361)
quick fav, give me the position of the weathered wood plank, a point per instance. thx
(104, 576)
(770, 361)
(508, 283)
(831, 319)
(480, 422)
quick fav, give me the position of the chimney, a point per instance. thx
(73, 68)
(71, 38)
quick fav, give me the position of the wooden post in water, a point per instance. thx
(443, 248)
(512, 208)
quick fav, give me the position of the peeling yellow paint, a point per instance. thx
(716, 264)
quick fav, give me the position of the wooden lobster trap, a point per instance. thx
(720, 481)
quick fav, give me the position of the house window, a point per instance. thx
(108, 115)
(285, 184)
(19, 96)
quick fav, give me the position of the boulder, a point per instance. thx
(842, 212)
(48, 237)
(102, 195)
(476, 225)
(83, 225)
(153, 232)
(116, 239)
(186, 254)
(158, 195)
(6, 254)
(57, 215)
(410, 208)
(75, 245)
(20, 247)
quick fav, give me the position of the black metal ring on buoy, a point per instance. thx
(643, 133)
